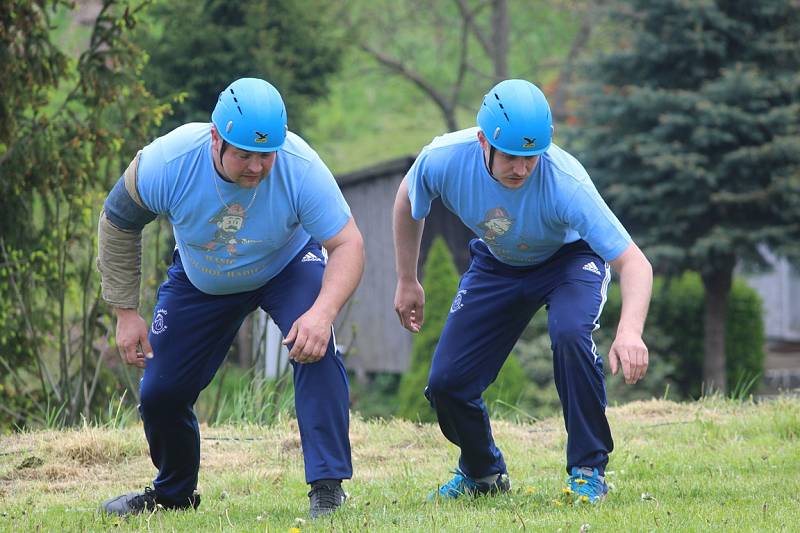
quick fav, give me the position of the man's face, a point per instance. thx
(245, 169)
(510, 170)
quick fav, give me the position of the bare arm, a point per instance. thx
(409, 298)
(311, 332)
(636, 285)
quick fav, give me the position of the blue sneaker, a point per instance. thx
(461, 485)
(587, 485)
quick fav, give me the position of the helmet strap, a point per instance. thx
(492, 150)
(221, 153)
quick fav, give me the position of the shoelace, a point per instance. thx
(325, 497)
(459, 484)
(146, 500)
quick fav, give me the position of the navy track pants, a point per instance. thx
(191, 334)
(494, 304)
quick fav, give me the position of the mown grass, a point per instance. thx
(715, 465)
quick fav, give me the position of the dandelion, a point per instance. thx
(529, 490)
(557, 503)
(567, 492)
(294, 530)
(584, 499)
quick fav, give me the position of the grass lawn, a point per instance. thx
(715, 465)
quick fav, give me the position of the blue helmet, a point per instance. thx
(516, 119)
(251, 116)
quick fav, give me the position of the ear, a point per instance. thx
(482, 138)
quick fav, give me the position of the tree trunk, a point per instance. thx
(717, 287)
(500, 30)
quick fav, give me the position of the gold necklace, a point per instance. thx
(219, 194)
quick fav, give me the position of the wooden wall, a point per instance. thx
(369, 326)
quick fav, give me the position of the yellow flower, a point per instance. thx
(584, 499)
(529, 490)
(294, 530)
(557, 503)
(581, 481)
(568, 492)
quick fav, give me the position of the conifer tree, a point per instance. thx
(441, 282)
(202, 46)
(691, 130)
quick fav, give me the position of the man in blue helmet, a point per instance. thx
(545, 238)
(251, 206)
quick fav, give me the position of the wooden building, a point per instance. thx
(368, 328)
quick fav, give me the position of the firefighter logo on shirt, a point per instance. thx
(228, 221)
(496, 223)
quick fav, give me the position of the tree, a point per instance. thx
(198, 48)
(63, 125)
(441, 283)
(691, 129)
(452, 52)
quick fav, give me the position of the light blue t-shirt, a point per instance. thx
(228, 245)
(556, 205)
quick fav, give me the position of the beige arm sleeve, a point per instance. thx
(119, 253)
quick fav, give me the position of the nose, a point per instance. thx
(255, 165)
(521, 167)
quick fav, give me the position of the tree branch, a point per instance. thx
(413, 76)
(468, 15)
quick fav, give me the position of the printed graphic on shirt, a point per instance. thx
(228, 221)
(496, 223)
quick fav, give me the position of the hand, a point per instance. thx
(132, 340)
(309, 336)
(629, 351)
(409, 303)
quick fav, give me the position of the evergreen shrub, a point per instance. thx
(441, 283)
(674, 333)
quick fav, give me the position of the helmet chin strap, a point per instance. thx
(492, 151)
(221, 153)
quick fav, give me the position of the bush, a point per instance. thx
(674, 335)
(441, 283)
(505, 397)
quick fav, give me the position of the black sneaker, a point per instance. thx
(326, 496)
(141, 502)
